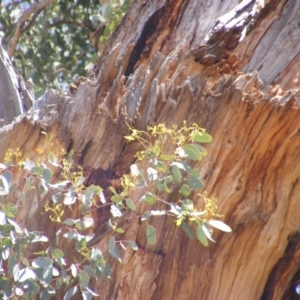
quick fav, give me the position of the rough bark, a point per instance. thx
(232, 68)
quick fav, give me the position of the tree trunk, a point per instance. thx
(231, 67)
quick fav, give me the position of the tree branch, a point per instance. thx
(21, 23)
(32, 19)
(71, 22)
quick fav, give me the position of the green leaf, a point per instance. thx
(69, 222)
(201, 137)
(42, 262)
(130, 204)
(194, 183)
(195, 173)
(219, 225)
(120, 230)
(185, 190)
(201, 149)
(71, 154)
(70, 293)
(113, 250)
(47, 275)
(187, 229)
(151, 235)
(57, 253)
(192, 152)
(149, 198)
(201, 236)
(207, 231)
(12, 261)
(26, 274)
(176, 173)
(80, 225)
(44, 295)
(116, 198)
(145, 216)
(83, 279)
(133, 245)
(160, 166)
(95, 189)
(162, 186)
(112, 189)
(47, 175)
(38, 171)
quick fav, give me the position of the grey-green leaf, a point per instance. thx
(145, 216)
(113, 250)
(185, 190)
(194, 183)
(83, 279)
(130, 204)
(149, 198)
(187, 229)
(176, 173)
(201, 236)
(38, 171)
(133, 245)
(47, 175)
(151, 235)
(202, 137)
(70, 293)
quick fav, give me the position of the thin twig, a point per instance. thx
(21, 23)
(72, 23)
(32, 19)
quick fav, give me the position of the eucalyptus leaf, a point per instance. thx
(194, 183)
(145, 216)
(201, 236)
(187, 229)
(113, 250)
(130, 204)
(71, 292)
(202, 137)
(219, 225)
(83, 279)
(151, 235)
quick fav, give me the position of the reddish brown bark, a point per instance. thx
(237, 77)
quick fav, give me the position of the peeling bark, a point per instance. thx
(223, 65)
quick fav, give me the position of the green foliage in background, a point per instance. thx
(59, 43)
(160, 171)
